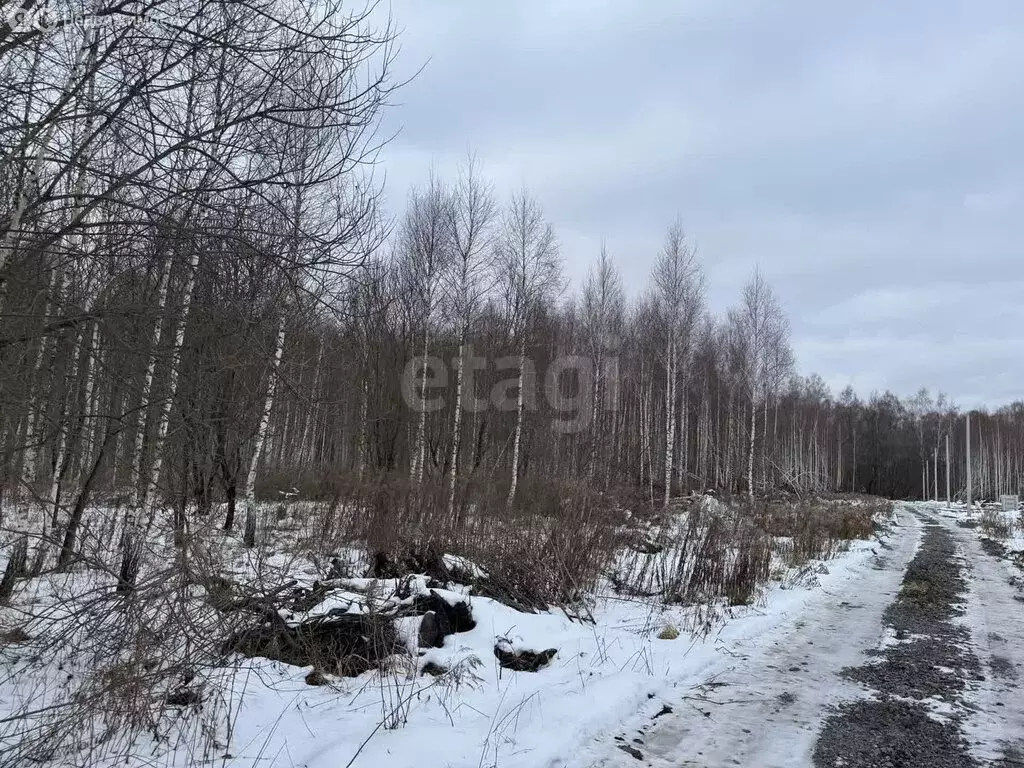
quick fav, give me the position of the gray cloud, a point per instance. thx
(867, 158)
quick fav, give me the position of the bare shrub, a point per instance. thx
(347, 645)
(129, 659)
(710, 552)
(551, 546)
(724, 551)
(996, 524)
(815, 528)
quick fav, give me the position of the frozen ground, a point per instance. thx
(766, 693)
(755, 692)
(995, 616)
(607, 679)
(765, 687)
(604, 674)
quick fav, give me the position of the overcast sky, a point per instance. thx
(870, 159)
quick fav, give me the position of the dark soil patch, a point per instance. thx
(183, 697)
(1012, 757)
(1002, 667)
(890, 733)
(632, 751)
(457, 617)
(523, 661)
(918, 669)
(993, 547)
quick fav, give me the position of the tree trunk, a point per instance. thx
(419, 453)
(67, 549)
(456, 433)
(670, 417)
(135, 478)
(750, 451)
(519, 428)
(249, 490)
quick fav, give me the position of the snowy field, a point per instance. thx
(613, 681)
(626, 664)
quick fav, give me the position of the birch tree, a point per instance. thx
(471, 214)
(761, 334)
(678, 288)
(529, 274)
(426, 252)
(602, 307)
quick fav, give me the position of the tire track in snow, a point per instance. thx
(915, 714)
(995, 615)
(763, 704)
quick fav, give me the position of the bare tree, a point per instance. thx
(471, 215)
(529, 274)
(761, 337)
(603, 307)
(426, 253)
(678, 287)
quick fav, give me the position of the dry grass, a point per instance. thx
(139, 658)
(724, 550)
(551, 546)
(996, 523)
(817, 528)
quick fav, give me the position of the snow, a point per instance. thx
(602, 676)
(462, 565)
(610, 675)
(757, 692)
(992, 613)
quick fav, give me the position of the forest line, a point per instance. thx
(202, 301)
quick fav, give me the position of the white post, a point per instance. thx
(935, 477)
(948, 497)
(968, 461)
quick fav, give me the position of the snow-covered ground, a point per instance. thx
(764, 685)
(608, 678)
(763, 700)
(752, 691)
(994, 613)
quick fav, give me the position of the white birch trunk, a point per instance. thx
(30, 458)
(456, 434)
(88, 421)
(249, 490)
(750, 450)
(419, 452)
(11, 238)
(519, 429)
(364, 406)
(10, 241)
(135, 476)
(764, 444)
(684, 440)
(670, 418)
(157, 458)
(61, 445)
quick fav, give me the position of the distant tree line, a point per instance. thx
(200, 303)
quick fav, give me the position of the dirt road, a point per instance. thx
(914, 663)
